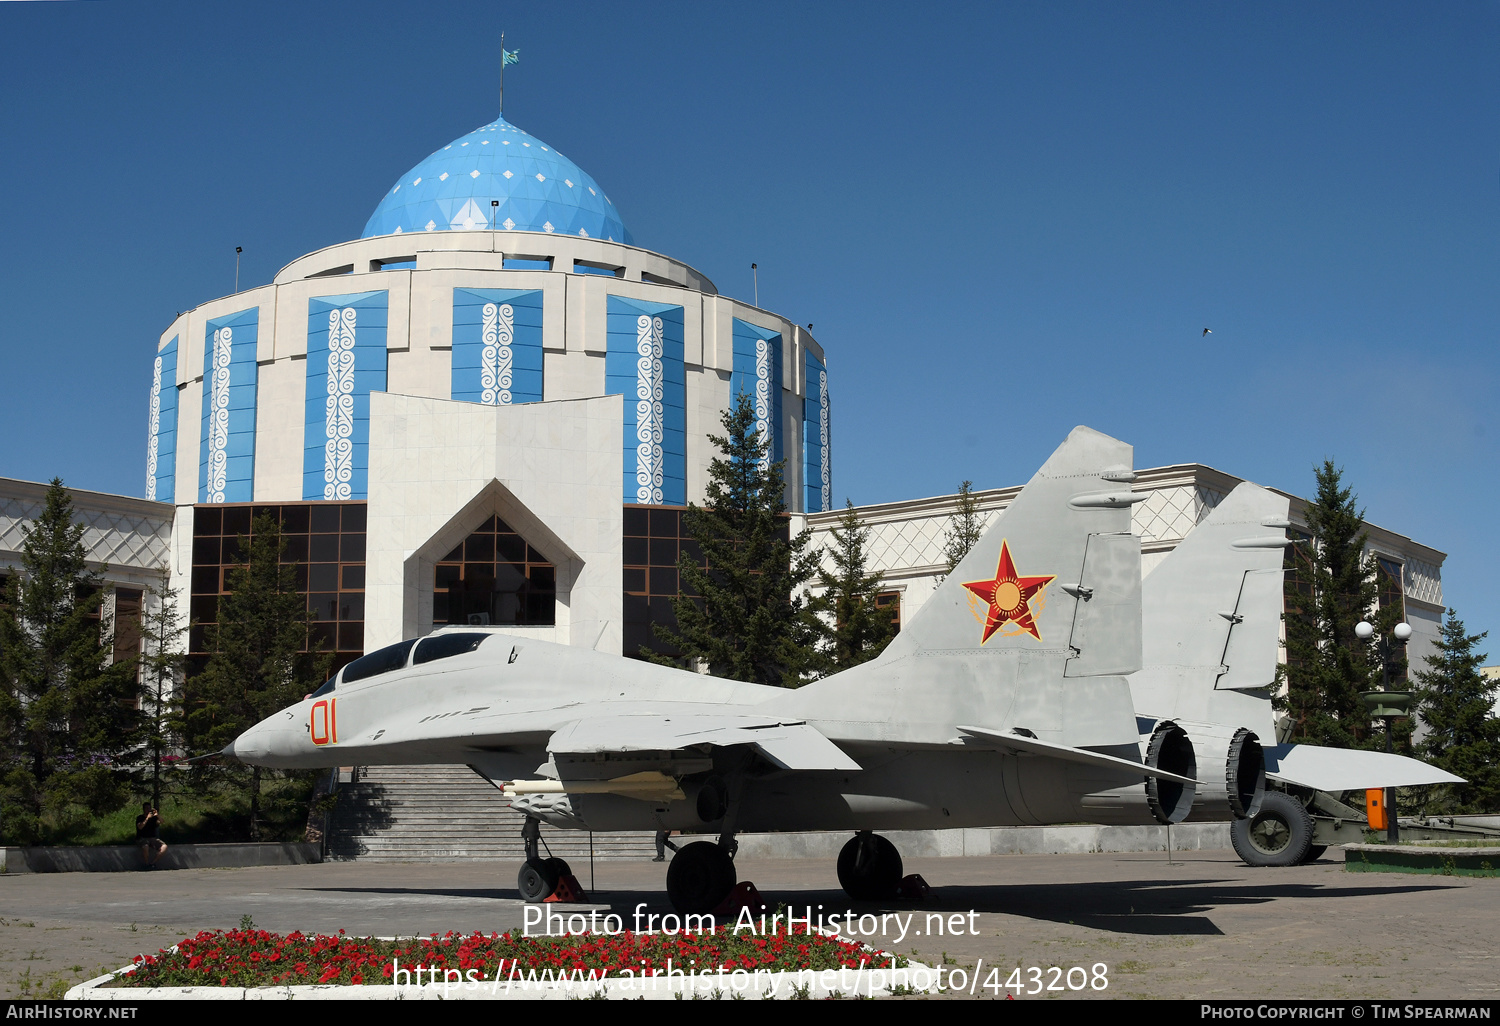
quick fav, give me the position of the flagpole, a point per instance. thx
(502, 74)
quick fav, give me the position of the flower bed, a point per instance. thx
(257, 958)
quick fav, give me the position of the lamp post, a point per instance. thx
(1386, 705)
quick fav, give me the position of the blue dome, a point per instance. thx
(539, 190)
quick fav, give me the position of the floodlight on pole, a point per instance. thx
(755, 274)
(1386, 705)
(237, 251)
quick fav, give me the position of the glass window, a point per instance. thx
(382, 660)
(494, 577)
(442, 646)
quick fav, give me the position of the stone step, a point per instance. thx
(450, 813)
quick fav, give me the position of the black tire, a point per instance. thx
(700, 876)
(1314, 852)
(869, 867)
(1280, 834)
(537, 880)
(559, 866)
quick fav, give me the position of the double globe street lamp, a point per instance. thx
(1387, 705)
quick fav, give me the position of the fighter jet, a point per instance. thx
(1003, 701)
(1210, 634)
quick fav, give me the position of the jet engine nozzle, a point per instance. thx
(1170, 749)
(1245, 774)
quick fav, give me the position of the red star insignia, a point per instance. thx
(1009, 596)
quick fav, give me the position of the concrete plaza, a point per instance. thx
(1202, 926)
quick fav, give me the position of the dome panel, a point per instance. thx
(508, 162)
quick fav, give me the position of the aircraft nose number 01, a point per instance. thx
(323, 722)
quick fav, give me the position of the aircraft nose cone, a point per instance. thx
(253, 744)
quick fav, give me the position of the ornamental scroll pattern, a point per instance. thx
(218, 417)
(649, 410)
(823, 439)
(338, 450)
(763, 396)
(496, 370)
(151, 446)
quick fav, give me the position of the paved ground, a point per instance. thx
(1206, 926)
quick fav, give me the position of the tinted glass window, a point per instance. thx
(382, 660)
(327, 687)
(442, 646)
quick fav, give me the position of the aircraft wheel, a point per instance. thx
(537, 880)
(701, 875)
(869, 867)
(1279, 835)
(1314, 853)
(559, 866)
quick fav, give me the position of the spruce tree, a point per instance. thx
(68, 713)
(162, 665)
(1328, 666)
(966, 528)
(853, 628)
(744, 616)
(259, 660)
(1456, 702)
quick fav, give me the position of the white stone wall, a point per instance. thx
(551, 470)
(419, 338)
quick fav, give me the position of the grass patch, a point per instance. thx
(196, 819)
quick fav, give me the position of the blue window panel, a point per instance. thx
(509, 369)
(757, 374)
(817, 474)
(655, 472)
(230, 376)
(336, 439)
(161, 452)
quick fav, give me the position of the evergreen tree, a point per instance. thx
(859, 629)
(1456, 702)
(67, 712)
(259, 660)
(1327, 665)
(966, 528)
(162, 663)
(744, 616)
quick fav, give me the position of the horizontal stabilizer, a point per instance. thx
(1344, 769)
(1036, 746)
(793, 746)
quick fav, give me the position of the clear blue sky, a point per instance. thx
(1002, 220)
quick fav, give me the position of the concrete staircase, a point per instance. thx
(450, 814)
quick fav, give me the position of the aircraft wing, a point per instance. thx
(793, 745)
(1036, 746)
(1347, 769)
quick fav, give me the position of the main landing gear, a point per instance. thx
(700, 877)
(869, 867)
(539, 876)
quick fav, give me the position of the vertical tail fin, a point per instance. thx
(1212, 618)
(1059, 571)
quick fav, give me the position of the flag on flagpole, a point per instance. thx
(509, 57)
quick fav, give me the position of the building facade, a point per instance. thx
(490, 408)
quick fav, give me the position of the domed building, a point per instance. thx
(490, 408)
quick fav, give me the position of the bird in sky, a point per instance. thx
(1207, 332)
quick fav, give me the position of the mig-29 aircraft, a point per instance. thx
(1004, 700)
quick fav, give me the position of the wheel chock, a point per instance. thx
(744, 895)
(568, 889)
(912, 887)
